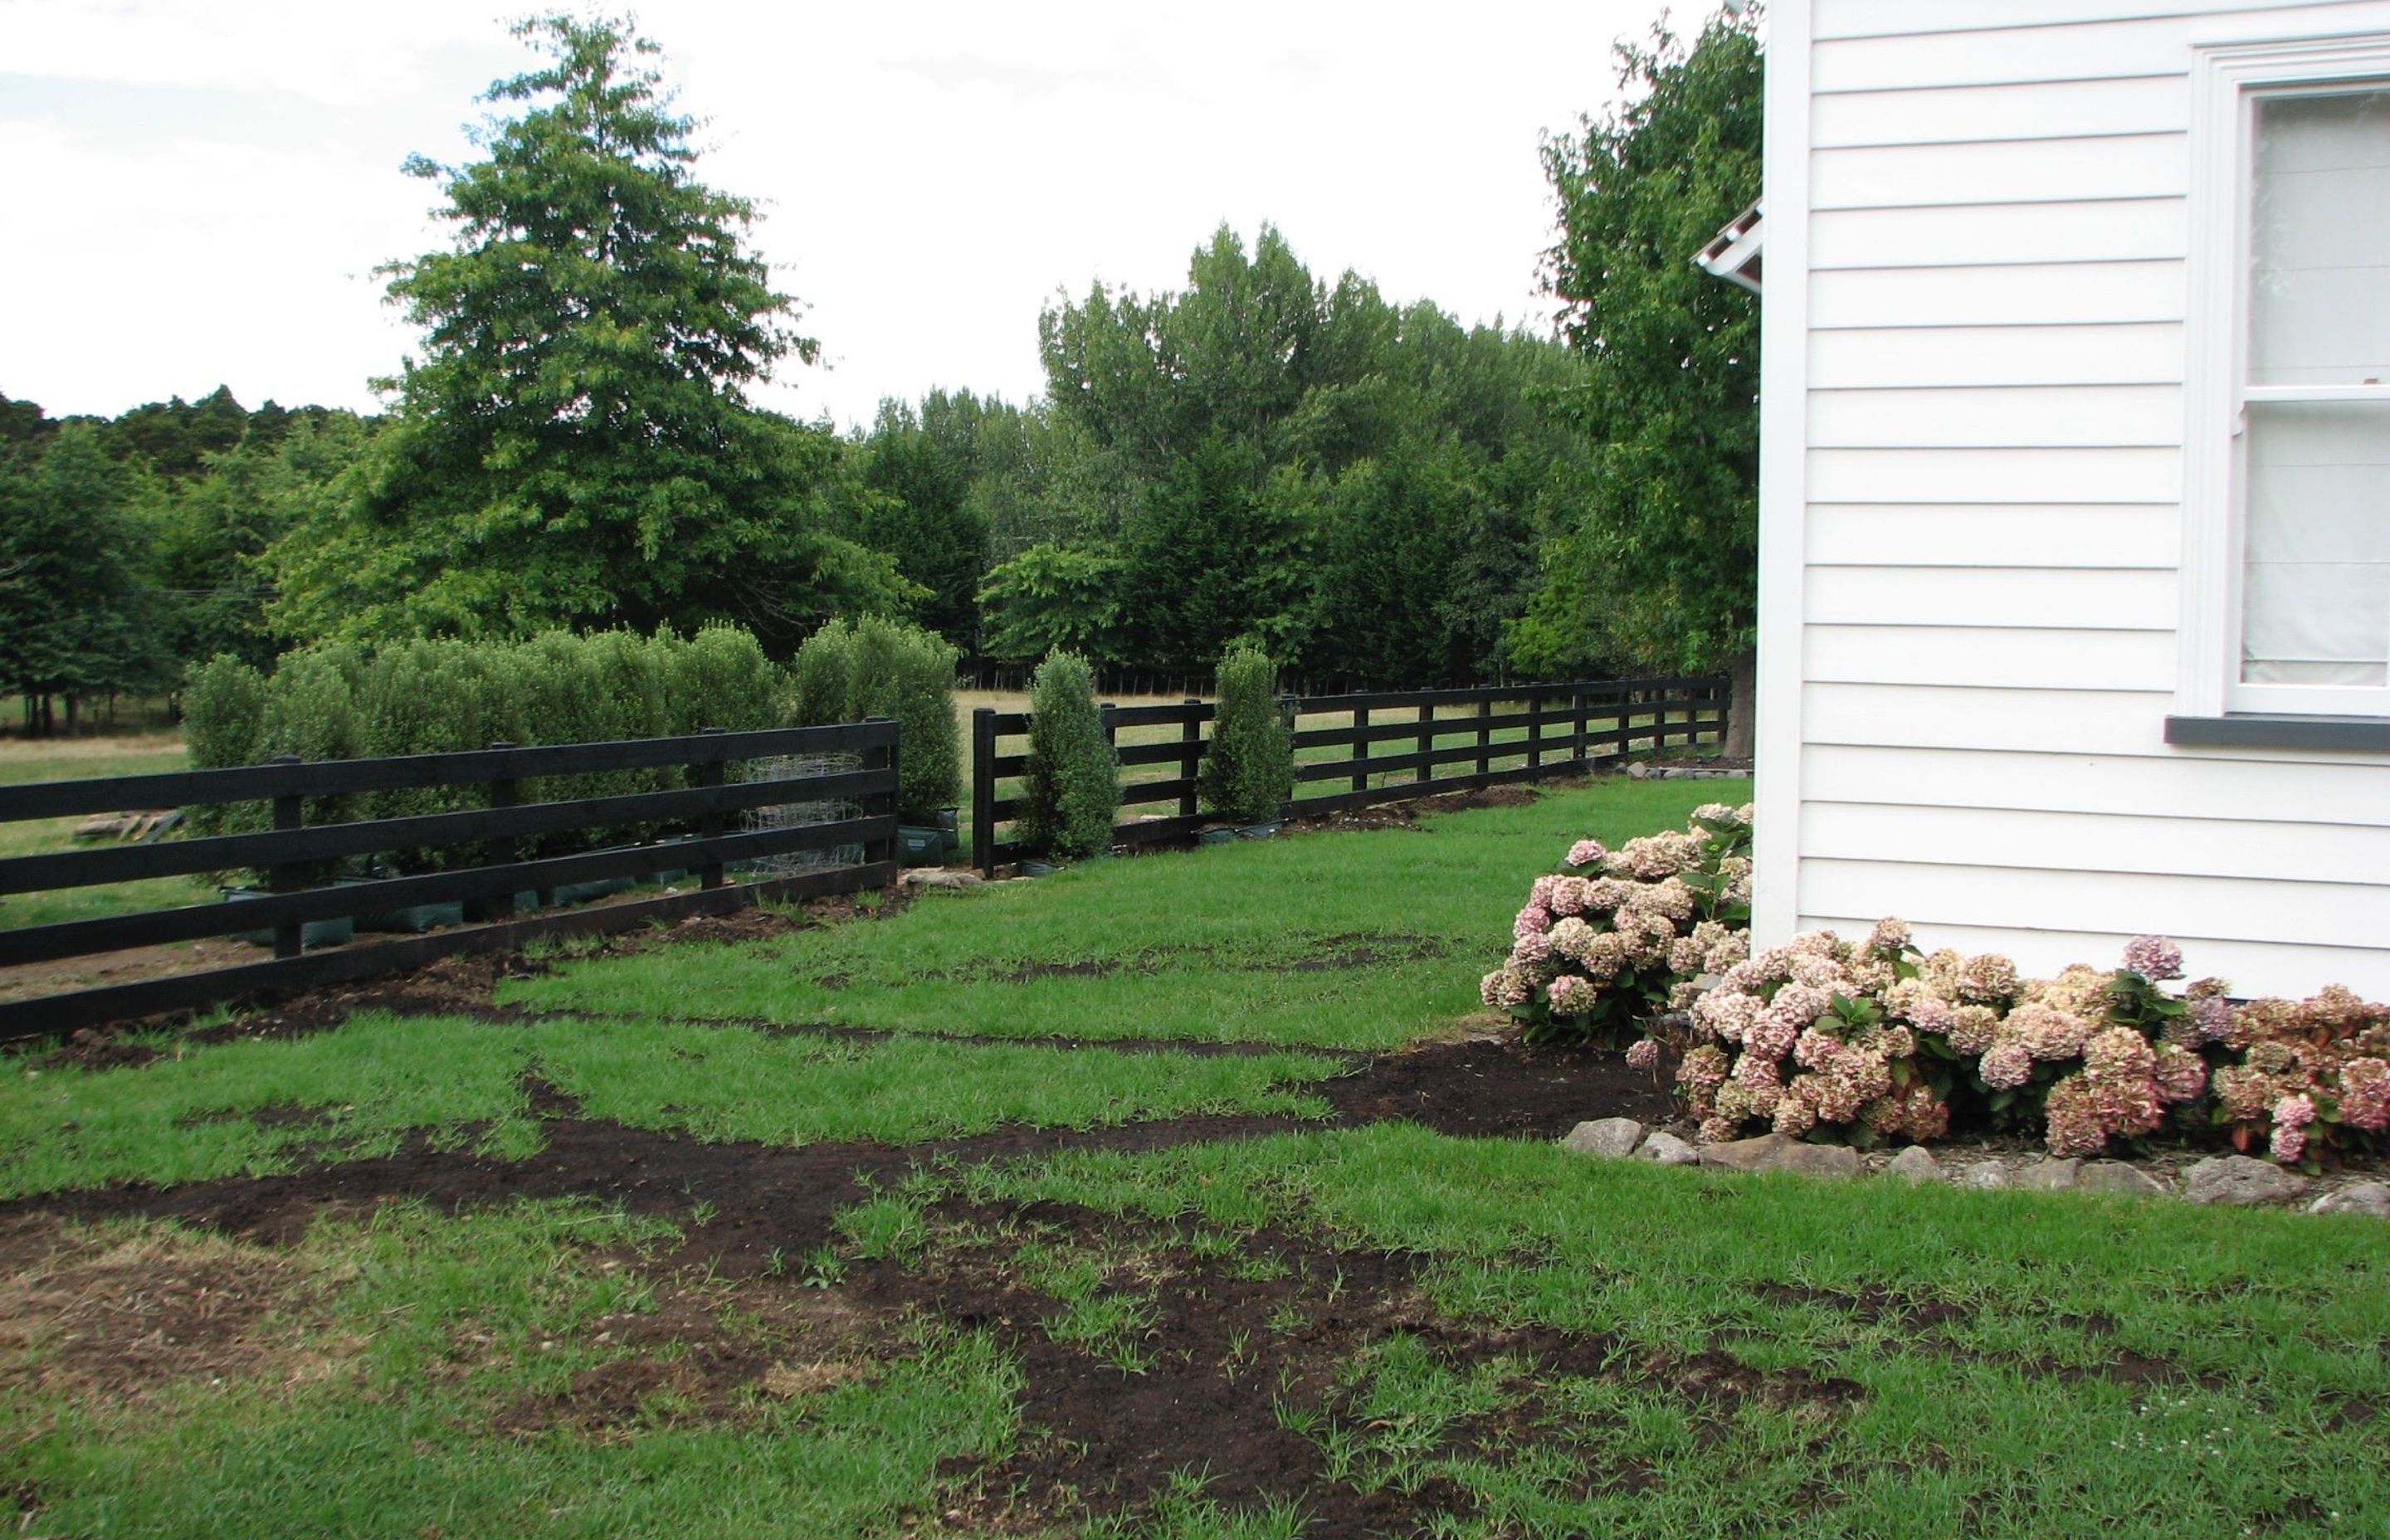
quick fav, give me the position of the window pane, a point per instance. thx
(2319, 240)
(2316, 598)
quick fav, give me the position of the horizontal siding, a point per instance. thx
(1998, 418)
(2026, 898)
(1997, 225)
(1978, 234)
(2036, 536)
(2043, 111)
(1968, 295)
(1991, 596)
(1849, 19)
(1926, 357)
(2311, 793)
(2076, 842)
(2253, 968)
(1998, 51)
(1941, 714)
(2006, 171)
(2122, 475)
(2004, 658)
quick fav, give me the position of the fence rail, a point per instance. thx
(483, 865)
(1500, 733)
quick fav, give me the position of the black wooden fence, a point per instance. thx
(484, 864)
(1396, 744)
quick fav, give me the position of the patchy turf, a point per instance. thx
(539, 1246)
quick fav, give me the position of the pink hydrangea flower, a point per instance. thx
(1570, 995)
(1643, 1053)
(1889, 937)
(1584, 852)
(2153, 958)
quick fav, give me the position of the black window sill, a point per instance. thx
(2253, 730)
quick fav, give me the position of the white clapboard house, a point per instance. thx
(2075, 552)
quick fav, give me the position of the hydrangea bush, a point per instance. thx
(1865, 1042)
(1618, 936)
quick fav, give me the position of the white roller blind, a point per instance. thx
(2316, 579)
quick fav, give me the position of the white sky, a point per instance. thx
(197, 191)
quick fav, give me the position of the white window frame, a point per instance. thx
(2231, 80)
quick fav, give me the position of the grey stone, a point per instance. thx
(1638, 771)
(1614, 1138)
(2048, 1175)
(2372, 1198)
(2238, 1180)
(1991, 1174)
(2117, 1179)
(1668, 1149)
(1814, 1159)
(1743, 1154)
(937, 876)
(1915, 1164)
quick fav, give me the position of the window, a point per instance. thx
(2287, 565)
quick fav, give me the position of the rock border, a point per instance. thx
(2224, 1181)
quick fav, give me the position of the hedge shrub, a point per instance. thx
(1247, 771)
(441, 696)
(1072, 783)
(873, 667)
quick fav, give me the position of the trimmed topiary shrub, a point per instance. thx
(821, 680)
(224, 713)
(1247, 771)
(874, 667)
(1071, 787)
(721, 678)
(224, 725)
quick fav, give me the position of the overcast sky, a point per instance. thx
(198, 190)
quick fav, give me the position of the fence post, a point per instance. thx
(1360, 747)
(1622, 702)
(1535, 733)
(984, 789)
(1290, 712)
(504, 791)
(1426, 771)
(709, 773)
(1191, 753)
(1484, 736)
(887, 848)
(1577, 723)
(290, 813)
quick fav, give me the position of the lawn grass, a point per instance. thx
(1556, 1346)
(357, 1092)
(1350, 939)
(408, 1365)
(1999, 1363)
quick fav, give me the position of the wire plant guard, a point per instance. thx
(778, 816)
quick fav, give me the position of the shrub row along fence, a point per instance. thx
(1353, 750)
(818, 803)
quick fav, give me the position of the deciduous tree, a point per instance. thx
(1660, 569)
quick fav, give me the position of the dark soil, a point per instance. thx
(768, 1200)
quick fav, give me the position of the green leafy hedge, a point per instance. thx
(441, 696)
(1249, 770)
(872, 667)
(1070, 787)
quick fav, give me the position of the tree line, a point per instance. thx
(1363, 490)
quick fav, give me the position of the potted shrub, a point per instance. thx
(1071, 788)
(1248, 770)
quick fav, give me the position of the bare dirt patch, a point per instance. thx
(116, 1318)
(706, 1351)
